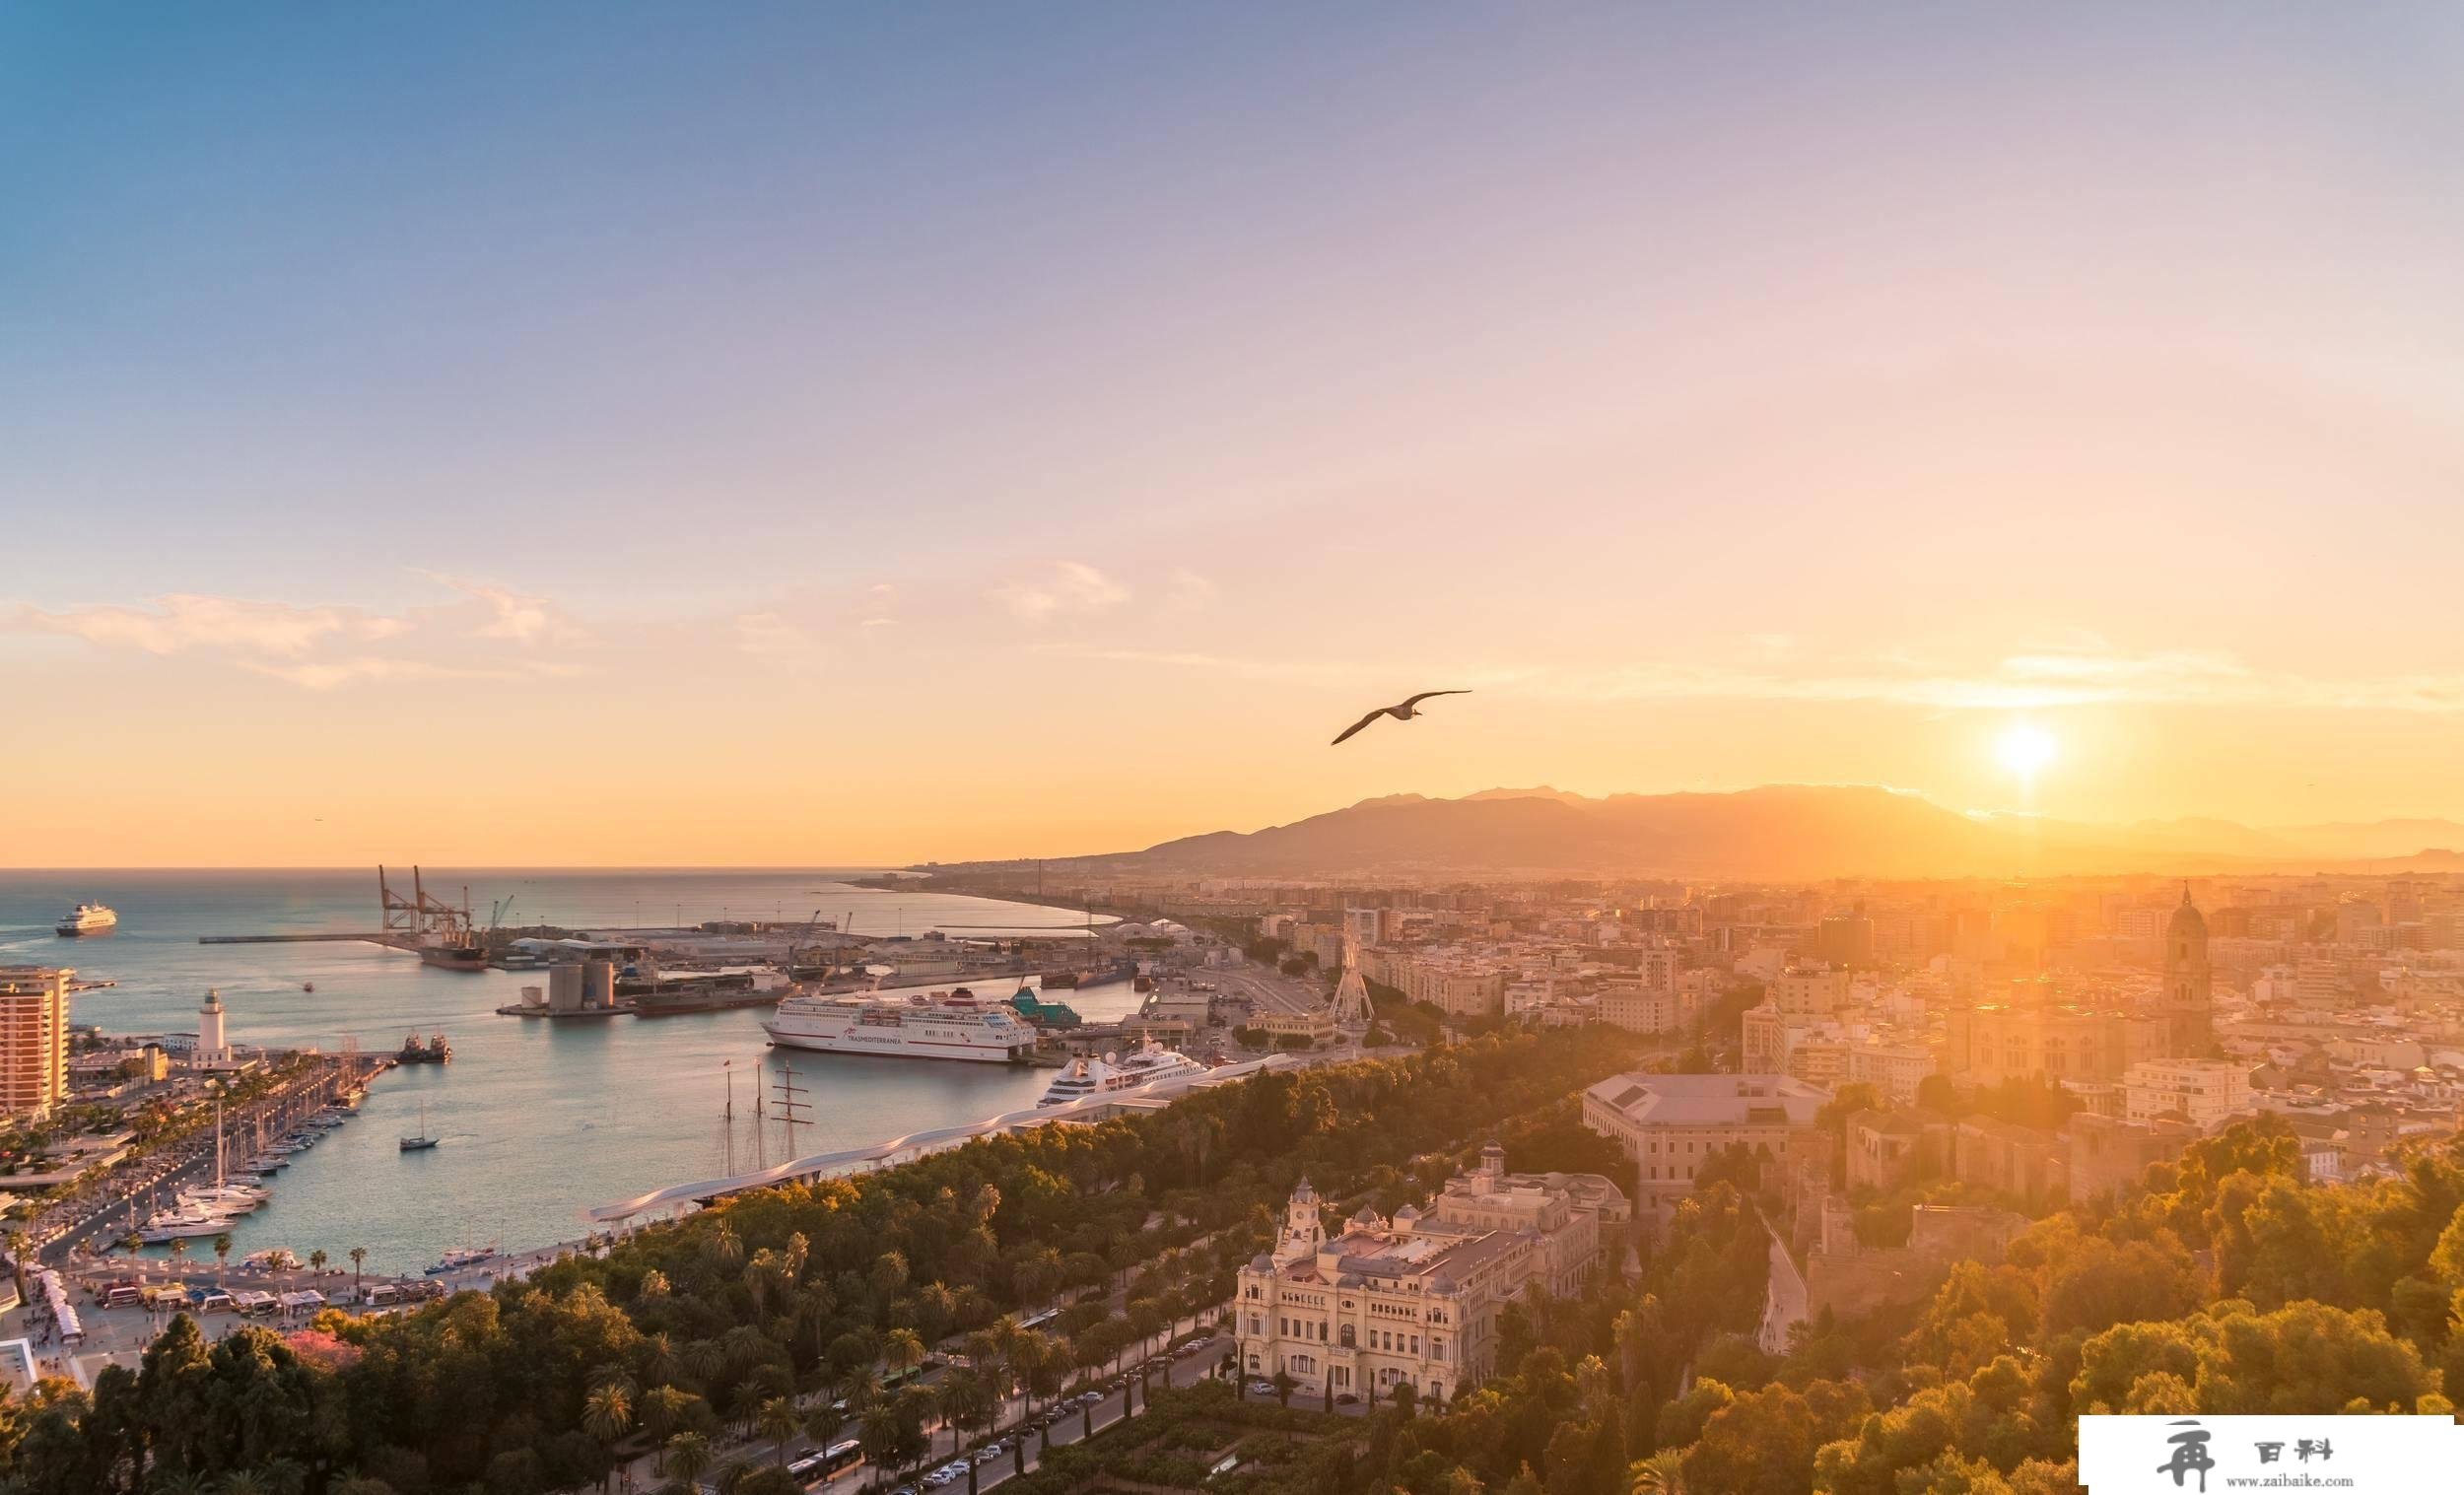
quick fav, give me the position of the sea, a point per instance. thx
(541, 1121)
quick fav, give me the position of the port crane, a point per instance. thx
(812, 927)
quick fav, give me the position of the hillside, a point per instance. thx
(1776, 833)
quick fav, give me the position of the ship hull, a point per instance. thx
(452, 960)
(902, 1049)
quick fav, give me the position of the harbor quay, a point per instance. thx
(205, 1131)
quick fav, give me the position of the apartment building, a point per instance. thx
(34, 1040)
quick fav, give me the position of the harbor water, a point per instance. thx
(539, 1120)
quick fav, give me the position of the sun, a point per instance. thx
(2025, 749)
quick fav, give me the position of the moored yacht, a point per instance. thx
(1115, 1075)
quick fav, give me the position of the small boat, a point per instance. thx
(422, 1141)
(307, 986)
(456, 1259)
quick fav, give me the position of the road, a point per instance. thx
(1266, 989)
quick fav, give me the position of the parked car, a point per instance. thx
(1347, 1399)
(1261, 1387)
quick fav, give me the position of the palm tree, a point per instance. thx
(180, 1249)
(222, 1258)
(901, 1351)
(1284, 1385)
(825, 1422)
(658, 1358)
(605, 1416)
(358, 1258)
(777, 1421)
(725, 1245)
(654, 1283)
(130, 1243)
(20, 1246)
(664, 1407)
(242, 1482)
(687, 1457)
(1663, 1473)
(317, 1261)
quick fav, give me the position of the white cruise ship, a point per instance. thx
(88, 919)
(954, 1026)
(1113, 1073)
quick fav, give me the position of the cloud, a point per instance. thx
(1064, 589)
(511, 615)
(185, 621)
(1187, 590)
(322, 647)
(772, 635)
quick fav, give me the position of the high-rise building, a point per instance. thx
(34, 1040)
(2189, 984)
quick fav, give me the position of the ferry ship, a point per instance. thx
(954, 1026)
(1113, 1073)
(88, 919)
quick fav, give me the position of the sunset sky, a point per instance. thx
(602, 434)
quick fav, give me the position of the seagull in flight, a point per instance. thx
(1402, 710)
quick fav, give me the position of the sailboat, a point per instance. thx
(422, 1141)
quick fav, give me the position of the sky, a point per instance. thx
(568, 434)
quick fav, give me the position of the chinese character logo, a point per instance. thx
(2190, 1453)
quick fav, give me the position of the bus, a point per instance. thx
(827, 1464)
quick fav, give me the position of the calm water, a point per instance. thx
(541, 1121)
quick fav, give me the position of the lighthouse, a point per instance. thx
(212, 1052)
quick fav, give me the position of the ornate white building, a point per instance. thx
(1416, 1299)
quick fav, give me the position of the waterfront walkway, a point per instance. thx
(918, 1143)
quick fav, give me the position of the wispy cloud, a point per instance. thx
(184, 621)
(514, 616)
(772, 635)
(326, 646)
(2038, 680)
(1064, 589)
(1186, 589)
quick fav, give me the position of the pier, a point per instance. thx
(292, 939)
(1094, 1108)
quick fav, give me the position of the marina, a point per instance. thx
(535, 1122)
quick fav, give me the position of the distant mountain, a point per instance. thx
(2375, 838)
(1781, 832)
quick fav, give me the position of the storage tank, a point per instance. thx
(599, 984)
(535, 997)
(565, 988)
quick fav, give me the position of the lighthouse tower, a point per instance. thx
(212, 1052)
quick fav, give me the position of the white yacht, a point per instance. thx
(180, 1225)
(88, 919)
(1115, 1074)
(944, 1026)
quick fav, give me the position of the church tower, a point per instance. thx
(1303, 1232)
(2189, 986)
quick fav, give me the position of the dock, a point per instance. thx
(289, 940)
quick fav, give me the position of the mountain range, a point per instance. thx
(1781, 832)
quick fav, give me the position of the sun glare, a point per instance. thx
(2025, 749)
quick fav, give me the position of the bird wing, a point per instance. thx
(1357, 725)
(1425, 695)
